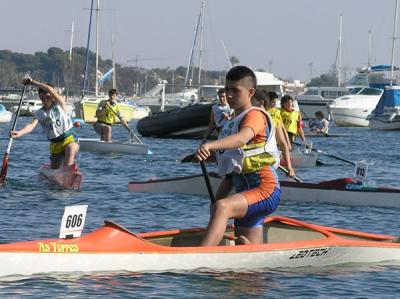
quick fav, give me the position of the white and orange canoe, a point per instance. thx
(287, 243)
(344, 191)
(67, 177)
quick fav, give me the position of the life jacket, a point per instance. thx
(276, 116)
(250, 157)
(55, 122)
(108, 116)
(218, 111)
(290, 120)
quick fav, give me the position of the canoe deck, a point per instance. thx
(67, 177)
(125, 147)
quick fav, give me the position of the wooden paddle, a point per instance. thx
(329, 155)
(4, 167)
(287, 172)
(132, 134)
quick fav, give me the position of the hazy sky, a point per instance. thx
(289, 33)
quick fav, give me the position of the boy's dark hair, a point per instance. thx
(112, 91)
(240, 72)
(286, 98)
(320, 114)
(221, 90)
(261, 95)
(272, 95)
(41, 90)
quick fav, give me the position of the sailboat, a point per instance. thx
(86, 108)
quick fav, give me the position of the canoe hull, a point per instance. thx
(301, 192)
(287, 243)
(95, 145)
(67, 177)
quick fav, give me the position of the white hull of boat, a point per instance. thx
(5, 117)
(31, 263)
(382, 123)
(195, 185)
(350, 117)
(126, 147)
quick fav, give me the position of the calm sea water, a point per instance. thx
(30, 210)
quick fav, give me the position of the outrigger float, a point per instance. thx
(67, 177)
(287, 243)
(344, 191)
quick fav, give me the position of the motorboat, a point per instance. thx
(5, 116)
(353, 109)
(317, 99)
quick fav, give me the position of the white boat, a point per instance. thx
(287, 243)
(386, 115)
(5, 116)
(302, 158)
(125, 147)
(343, 191)
(317, 99)
(30, 106)
(67, 177)
(353, 109)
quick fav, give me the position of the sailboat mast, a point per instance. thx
(340, 50)
(191, 54)
(226, 54)
(201, 38)
(97, 49)
(71, 42)
(369, 47)
(394, 43)
(85, 76)
(114, 75)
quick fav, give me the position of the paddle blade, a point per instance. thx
(3, 172)
(188, 158)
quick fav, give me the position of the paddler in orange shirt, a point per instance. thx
(247, 156)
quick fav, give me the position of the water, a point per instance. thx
(30, 210)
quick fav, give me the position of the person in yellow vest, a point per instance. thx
(291, 119)
(247, 156)
(262, 99)
(107, 113)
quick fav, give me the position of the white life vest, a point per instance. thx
(219, 118)
(55, 121)
(250, 157)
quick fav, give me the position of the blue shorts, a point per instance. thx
(257, 212)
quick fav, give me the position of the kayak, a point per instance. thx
(287, 243)
(314, 134)
(125, 147)
(67, 177)
(344, 191)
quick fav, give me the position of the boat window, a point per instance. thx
(356, 90)
(312, 92)
(371, 91)
(208, 93)
(359, 79)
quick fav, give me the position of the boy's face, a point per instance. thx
(238, 93)
(222, 98)
(272, 103)
(288, 105)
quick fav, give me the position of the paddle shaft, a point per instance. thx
(130, 131)
(190, 157)
(287, 172)
(207, 180)
(330, 155)
(10, 141)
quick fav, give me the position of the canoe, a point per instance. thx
(344, 191)
(67, 177)
(125, 147)
(302, 159)
(314, 134)
(287, 243)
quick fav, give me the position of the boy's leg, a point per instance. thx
(70, 152)
(254, 234)
(106, 133)
(56, 160)
(234, 206)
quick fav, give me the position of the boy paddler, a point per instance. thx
(291, 119)
(107, 113)
(247, 155)
(56, 123)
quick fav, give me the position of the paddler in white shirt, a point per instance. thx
(57, 125)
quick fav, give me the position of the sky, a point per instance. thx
(283, 36)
